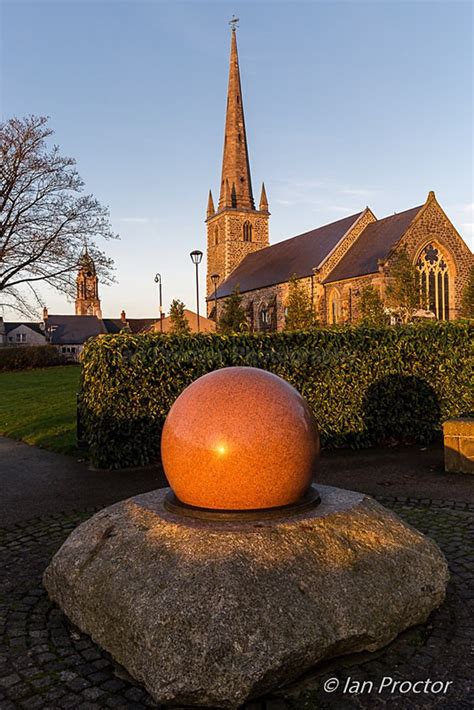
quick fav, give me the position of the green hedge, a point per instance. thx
(27, 357)
(365, 385)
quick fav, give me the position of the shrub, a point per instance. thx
(364, 384)
(372, 312)
(299, 309)
(233, 318)
(27, 357)
(179, 324)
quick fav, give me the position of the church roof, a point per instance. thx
(375, 243)
(279, 262)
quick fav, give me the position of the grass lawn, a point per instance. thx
(39, 407)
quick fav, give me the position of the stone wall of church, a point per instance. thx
(346, 294)
(271, 298)
(225, 241)
(275, 297)
(432, 226)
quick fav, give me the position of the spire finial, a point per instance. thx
(234, 23)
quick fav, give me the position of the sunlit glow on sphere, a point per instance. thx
(240, 438)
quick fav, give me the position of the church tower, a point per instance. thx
(87, 288)
(236, 228)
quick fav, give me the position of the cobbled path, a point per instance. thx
(47, 663)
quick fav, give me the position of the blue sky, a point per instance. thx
(346, 103)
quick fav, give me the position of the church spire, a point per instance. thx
(235, 163)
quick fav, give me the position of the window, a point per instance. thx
(216, 236)
(334, 313)
(267, 316)
(247, 229)
(434, 281)
(21, 337)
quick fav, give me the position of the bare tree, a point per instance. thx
(45, 220)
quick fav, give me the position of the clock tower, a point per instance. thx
(87, 288)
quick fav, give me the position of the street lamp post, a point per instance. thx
(215, 280)
(158, 281)
(196, 257)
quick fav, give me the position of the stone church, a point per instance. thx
(334, 261)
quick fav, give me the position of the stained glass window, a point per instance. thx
(434, 282)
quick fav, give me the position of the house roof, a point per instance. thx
(73, 330)
(278, 263)
(205, 324)
(68, 330)
(374, 243)
(134, 325)
(32, 326)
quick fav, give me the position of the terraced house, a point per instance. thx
(333, 261)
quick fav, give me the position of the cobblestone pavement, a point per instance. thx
(47, 663)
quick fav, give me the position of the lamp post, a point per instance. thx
(158, 281)
(196, 257)
(215, 280)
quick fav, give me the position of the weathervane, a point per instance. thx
(234, 23)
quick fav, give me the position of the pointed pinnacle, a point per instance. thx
(227, 197)
(210, 206)
(263, 200)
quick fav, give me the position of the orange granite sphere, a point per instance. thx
(239, 438)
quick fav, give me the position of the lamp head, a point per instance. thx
(196, 256)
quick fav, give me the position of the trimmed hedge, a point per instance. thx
(27, 357)
(365, 385)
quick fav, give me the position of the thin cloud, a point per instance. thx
(357, 192)
(135, 220)
(317, 193)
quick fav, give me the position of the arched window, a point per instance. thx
(434, 281)
(247, 229)
(267, 316)
(216, 236)
(334, 309)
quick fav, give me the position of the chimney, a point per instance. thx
(123, 317)
(45, 313)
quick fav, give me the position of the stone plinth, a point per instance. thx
(214, 613)
(459, 445)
